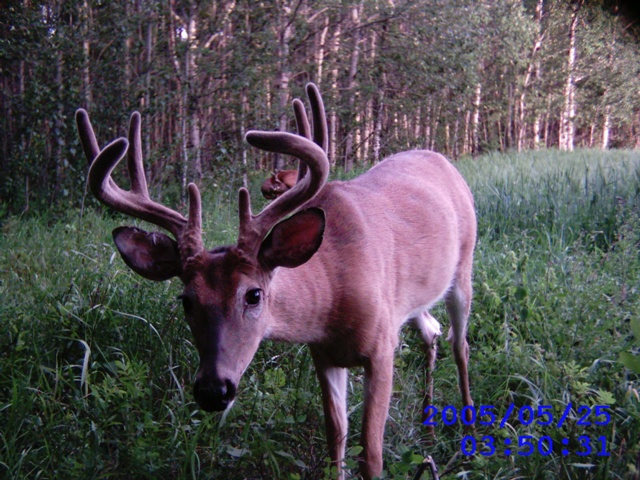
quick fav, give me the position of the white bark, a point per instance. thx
(475, 122)
(606, 127)
(285, 32)
(333, 116)
(567, 125)
(351, 83)
(320, 50)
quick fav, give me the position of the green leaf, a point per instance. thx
(605, 397)
(630, 361)
(355, 450)
(237, 452)
(635, 327)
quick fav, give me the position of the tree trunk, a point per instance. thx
(378, 112)
(606, 127)
(567, 126)
(58, 154)
(285, 32)
(146, 99)
(86, 51)
(243, 129)
(475, 141)
(320, 50)
(333, 116)
(191, 67)
(127, 49)
(351, 83)
(534, 66)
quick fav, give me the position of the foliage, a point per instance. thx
(629, 360)
(456, 76)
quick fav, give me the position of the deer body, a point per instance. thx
(404, 233)
(400, 237)
(353, 263)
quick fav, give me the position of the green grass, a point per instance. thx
(96, 363)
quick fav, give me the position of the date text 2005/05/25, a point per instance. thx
(525, 445)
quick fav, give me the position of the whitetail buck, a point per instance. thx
(278, 183)
(353, 263)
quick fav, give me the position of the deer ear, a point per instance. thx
(293, 241)
(152, 255)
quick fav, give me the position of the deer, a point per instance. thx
(278, 183)
(340, 266)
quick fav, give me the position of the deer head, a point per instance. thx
(227, 289)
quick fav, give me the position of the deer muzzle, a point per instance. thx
(214, 395)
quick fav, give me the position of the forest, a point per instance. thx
(457, 76)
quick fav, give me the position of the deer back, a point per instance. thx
(392, 244)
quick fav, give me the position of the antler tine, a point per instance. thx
(87, 136)
(304, 130)
(320, 129)
(191, 242)
(302, 121)
(254, 228)
(134, 157)
(136, 202)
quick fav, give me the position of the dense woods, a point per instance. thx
(457, 76)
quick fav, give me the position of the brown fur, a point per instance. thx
(278, 183)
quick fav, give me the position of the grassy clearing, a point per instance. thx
(96, 363)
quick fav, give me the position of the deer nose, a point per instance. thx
(214, 396)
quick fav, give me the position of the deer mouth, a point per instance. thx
(214, 396)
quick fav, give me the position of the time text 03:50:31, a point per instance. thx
(525, 445)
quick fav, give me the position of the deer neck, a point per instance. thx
(298, 300)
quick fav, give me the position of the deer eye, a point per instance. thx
(253, 296)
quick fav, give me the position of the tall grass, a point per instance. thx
(96, 363)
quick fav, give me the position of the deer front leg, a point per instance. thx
(333, 383)
(378, 381)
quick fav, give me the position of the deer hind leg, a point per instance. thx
(333, 383)
(429, 330)
(458, 303)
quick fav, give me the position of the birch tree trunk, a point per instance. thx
(606, 127)
(285, 31)
(379, 112)
(567, 125)
(522, 127)
(187, 76)
(320, 50)
(243, 129)
(86, 52)
(475, 122)
(351, 83)
(192, 74)
(538, 74)
(333, 116)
